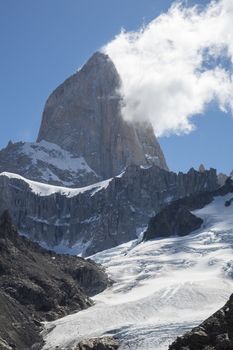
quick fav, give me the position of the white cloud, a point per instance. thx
(173, 67)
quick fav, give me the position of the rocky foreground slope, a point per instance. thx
(38, 285)
(215, 333)
(90, 219)
(83, 138)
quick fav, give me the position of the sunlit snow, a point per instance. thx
(54, 155)
(42, 189)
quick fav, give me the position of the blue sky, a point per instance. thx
(43, 42)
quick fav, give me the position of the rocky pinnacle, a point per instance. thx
(83, 116)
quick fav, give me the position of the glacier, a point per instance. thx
(162, 287)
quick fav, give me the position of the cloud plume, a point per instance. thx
(175, 66)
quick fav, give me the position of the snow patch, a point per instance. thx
(47, 190)
(53, 154)
(64, 247)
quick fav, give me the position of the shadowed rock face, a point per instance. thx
(83, 116)
(172, 220)
(37, 285)
(216, 333)
(176, 218)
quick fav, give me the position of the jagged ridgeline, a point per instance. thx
(99, 216)
(84, 141)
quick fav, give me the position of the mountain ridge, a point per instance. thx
(100, 216)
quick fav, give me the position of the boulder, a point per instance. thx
(103, 343)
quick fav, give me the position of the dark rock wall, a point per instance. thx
(104, 218)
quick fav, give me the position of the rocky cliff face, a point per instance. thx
(100, 216)
(172, 220)
(83, 116)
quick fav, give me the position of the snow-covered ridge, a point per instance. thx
(48, 163)
(53, 154)
(46, 190)
(163, 287)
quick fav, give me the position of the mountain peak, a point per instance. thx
(99, 57)
(83, 116)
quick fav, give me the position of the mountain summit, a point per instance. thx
(83, 116)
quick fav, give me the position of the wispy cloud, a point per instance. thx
(177, 64)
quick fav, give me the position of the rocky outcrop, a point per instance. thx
(176, 218)
(100, 216)
(222, 178)
(38, 285)
(216, 333)
(103, 343)
(173, 220)
(201, 168)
